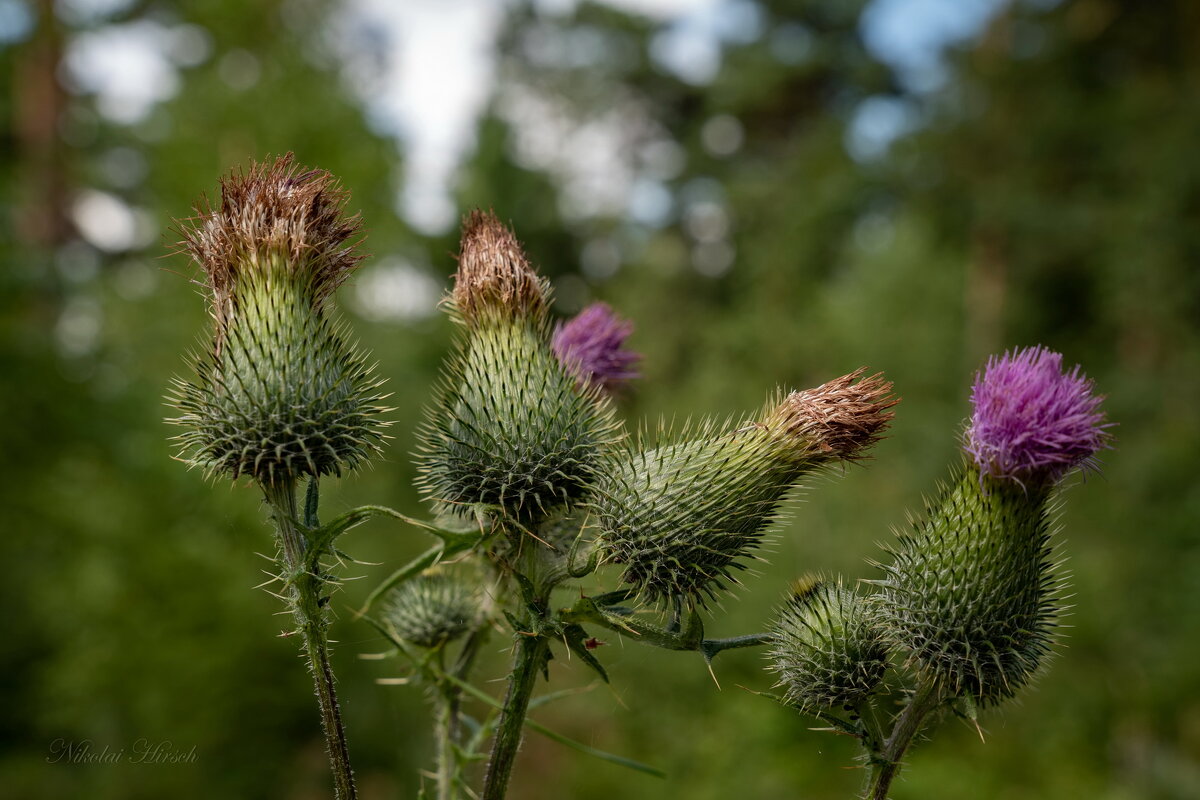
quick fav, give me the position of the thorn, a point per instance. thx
(713, 675)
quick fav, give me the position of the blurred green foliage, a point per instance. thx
(1051, 194)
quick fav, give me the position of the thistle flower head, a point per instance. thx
(280, 393)
(1033, 419)
(431, 609)
(840, 419)
(590, 345)
(276, 215)
(972, 594)
(494, 275)
(825, 647)
(682, 514)
(511, 429)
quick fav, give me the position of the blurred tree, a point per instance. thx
(132, 614)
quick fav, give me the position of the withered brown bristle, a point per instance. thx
(493, 271)
(843, 417)
(275, 209)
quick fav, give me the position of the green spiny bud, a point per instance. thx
(280, 393)
(431, 609)
(512, 429)
(971, 594)
(826, 648)
(680, 515)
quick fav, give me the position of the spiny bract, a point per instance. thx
(971, 594)
(280, 393)
(511, 430)
(826, 648)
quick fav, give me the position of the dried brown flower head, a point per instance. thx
(281, 393)
(494, 274)
(841, 418)
(276, 215)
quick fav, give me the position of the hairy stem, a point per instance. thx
(886, 763)
(461, 671)
(445, 711)
(305, 597)
(447, 722)
(529, 656)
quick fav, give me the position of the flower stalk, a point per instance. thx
(885, 764)
(529, 658)
(281, 395)
(305, 594)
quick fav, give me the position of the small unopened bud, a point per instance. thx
(826, 649)
(280, 393)
(431, 609)
(840, 419)
(494, 276)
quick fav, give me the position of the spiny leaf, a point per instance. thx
(576, 638)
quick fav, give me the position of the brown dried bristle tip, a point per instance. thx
(494, 274)
(841, 418)
(274, 213)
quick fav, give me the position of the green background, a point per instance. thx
(1050, 194)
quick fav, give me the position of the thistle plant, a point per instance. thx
(279, 394)
(969, 602)
(533, 482)
(431, 610)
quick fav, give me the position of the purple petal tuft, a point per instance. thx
(1032, 419)
(591, 347)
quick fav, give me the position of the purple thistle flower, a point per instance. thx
(590, 347)
(1032, 419)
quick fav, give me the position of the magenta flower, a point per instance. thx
(1032, 419)
(590, 346)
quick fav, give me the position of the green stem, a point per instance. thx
(528, 659)
(305, 596)
(447, 723)
(443, 732)
(679, 635)
(462, 669)
(710, 647)
(886, 763)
